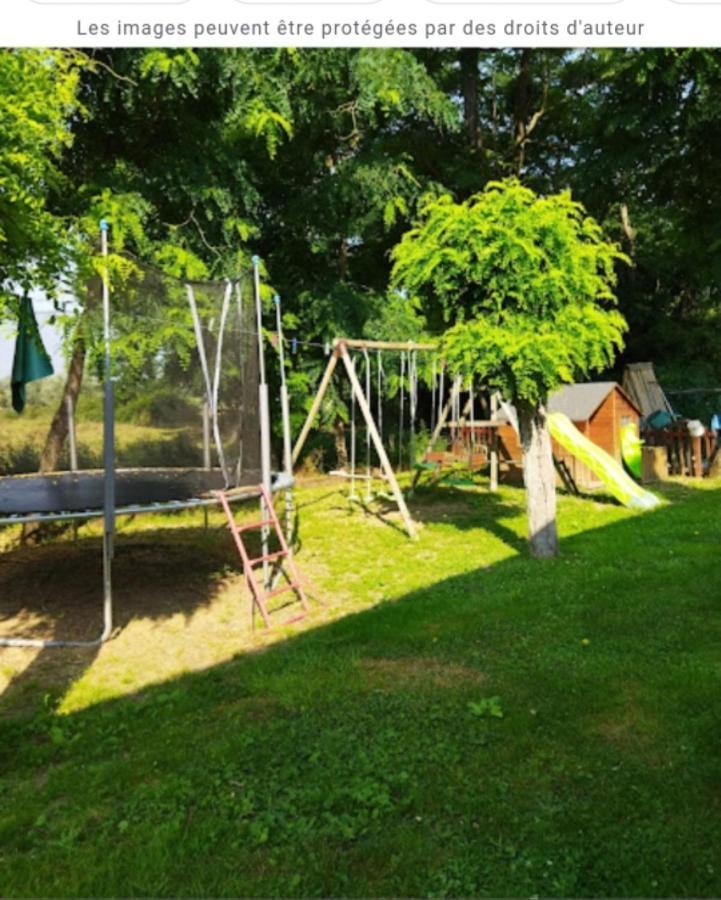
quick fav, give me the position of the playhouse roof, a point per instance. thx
(641, 384)
(580, 401)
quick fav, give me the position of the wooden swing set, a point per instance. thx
(467, 432)
(474, 442)
(340, 351)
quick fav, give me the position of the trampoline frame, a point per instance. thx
(281, 482)
(109, 512)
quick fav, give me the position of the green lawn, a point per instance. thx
(460, 719)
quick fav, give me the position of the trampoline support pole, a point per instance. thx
(72, 446)
(285, 413)
(264, 416)
(207, 464)
(108, 453)
(72, 436)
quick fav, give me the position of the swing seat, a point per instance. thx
(340, 473)
(460, 482)
(426, 465)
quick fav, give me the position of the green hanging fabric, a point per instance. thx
(31, 360)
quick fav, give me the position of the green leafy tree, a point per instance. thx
(643, 130)
(38, 103)
(525, 284)
(317, 160)
(310, 157)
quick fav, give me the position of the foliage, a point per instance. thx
(488, 706)
(525, 283)
(317, 160)
(644, 126)
(39, 99)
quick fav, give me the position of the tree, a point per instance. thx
(317, 160)
(643, 133)
(39, 91)
(526, 285)
(307, 156)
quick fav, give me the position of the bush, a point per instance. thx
(40, 395)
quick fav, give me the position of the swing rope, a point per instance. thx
(441, 389)
(455, 407)
(380, 393)
(369, 486)
(473, 417)
(413, 403)
(352, 495)
(402, 414)
(433, 394)
(240, 348)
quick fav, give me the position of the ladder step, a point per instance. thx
(294, 619)
(260, 595)
(281, 590)
(240, 528)
(268, 557)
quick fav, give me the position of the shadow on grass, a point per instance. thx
(54, 591)
(361, 758)
(453, 506)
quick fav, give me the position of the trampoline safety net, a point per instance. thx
(192, 373)
(205, 367)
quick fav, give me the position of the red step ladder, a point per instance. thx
(258, 590)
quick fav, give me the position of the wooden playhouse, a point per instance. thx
(598, 409)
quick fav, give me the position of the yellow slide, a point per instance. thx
(605, 467)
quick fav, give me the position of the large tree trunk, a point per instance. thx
(525, 117)
(341, 448)
(540, 479)
(522, 108)
(60, 425)
(470, 58)
(58, 433)
(34, 532)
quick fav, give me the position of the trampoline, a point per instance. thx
(62, 496)
(109, 492)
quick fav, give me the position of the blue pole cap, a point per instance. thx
(255, 260)
(104, 225)
(276, 299)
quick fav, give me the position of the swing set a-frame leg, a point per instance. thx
(378, 443)
(341, 352)
(313, 412)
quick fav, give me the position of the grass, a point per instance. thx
(459, 720)
(21, 439)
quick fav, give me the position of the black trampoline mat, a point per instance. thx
(83, 491)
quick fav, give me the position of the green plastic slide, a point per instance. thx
(605, 467)
(631, 449)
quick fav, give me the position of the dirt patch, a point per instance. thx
(628, 729)
(391, 674)
(180, 605)
(436, 510)
(623, 732)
